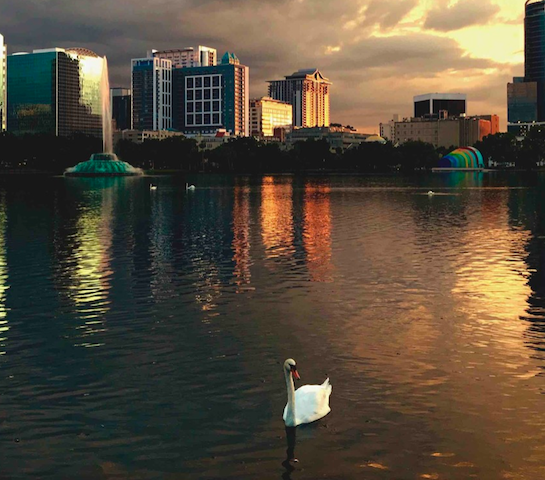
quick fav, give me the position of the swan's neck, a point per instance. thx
(290, 414)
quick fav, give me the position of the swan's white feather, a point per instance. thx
(311, 403)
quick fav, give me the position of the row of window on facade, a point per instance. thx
(199, 107)
(203, 81)
(203, 119)
(213, 93)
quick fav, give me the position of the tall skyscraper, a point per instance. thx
(151, 93)
(199, 56)
(432, 104)
(3, 92)
(308, 93)
(526, 95)
(121, 107)
(56, 91)
(206, 99)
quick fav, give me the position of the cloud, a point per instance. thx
(462, 14)
(373, 55)
(385, 14)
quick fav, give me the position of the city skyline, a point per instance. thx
(378, 54)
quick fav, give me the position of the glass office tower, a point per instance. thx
(526, 96)
(3, 99)
(534, 51)
(55, 91)
(534, 41)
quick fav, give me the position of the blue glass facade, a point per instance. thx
(534, 51)
(55, 92)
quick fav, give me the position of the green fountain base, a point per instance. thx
(103, 165)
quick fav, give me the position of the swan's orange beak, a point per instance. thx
(296, 374)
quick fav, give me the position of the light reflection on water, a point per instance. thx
(427, 314)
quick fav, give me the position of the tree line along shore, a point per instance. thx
(51, 154)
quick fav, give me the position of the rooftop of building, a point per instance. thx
(185, 49)
(440, 96)
(79, 51)
(314, 73)
(269, 99)
(229, 58)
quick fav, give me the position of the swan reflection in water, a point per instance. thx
(290, 453)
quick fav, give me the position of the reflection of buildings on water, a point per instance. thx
(317, 231)
(204, 238)
(490, 267)
(88, 279)
(527, 212)
(4, 327)
(277, 217)
(241, 235)
(161, 251)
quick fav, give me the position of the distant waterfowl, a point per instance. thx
(431, 193)
(189, 187)
(309, 403)
(153, 187)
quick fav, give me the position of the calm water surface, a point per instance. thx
(142, 333)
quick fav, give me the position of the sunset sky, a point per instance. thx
(377, 53)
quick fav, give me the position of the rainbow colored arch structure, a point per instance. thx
(463, 158)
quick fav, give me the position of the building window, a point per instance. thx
(198, 94)
(216, 81)
(207, 106)
(190, 94)
(207, 119)
(206, 82)
(191, 119)
(198, 82)
(216, 93)
(198, 119)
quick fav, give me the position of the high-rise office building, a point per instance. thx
(266, 114)
(526, 95)
(199, 56)
(308, 92)
(56, 91)
(121, 108)
(440, 104)
(206, 99)
(151, 93)
(3, 92)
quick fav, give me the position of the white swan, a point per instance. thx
(153, 187)
(309, 403)
(431, 193)
(189, 187)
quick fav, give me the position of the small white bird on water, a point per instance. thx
(309, 403)
(189, 187)
(153, 187)
(431, 193)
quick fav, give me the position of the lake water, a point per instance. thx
(142, 333)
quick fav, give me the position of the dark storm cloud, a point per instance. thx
(464, 13)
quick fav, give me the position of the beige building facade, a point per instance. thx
(266, 114)
(449, 132)
(338, 137)
(308, 91)
(199, 56)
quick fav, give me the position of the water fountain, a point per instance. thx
(104, 164)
